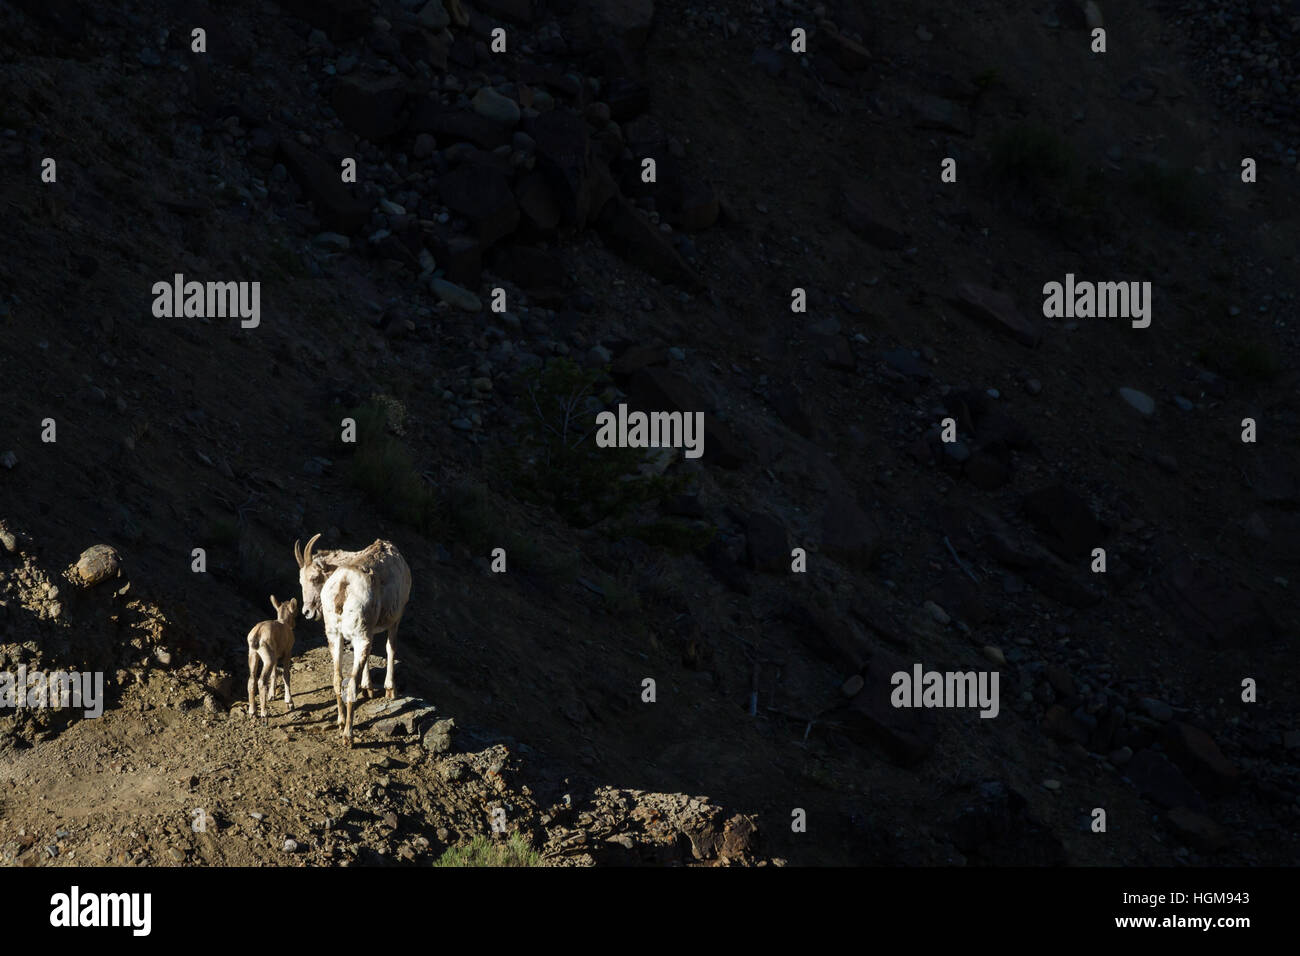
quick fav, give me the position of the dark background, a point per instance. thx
(775, 171)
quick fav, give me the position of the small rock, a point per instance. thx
(491, 105)
(97, 563)
(437, 739)
(9, 460)
(1092, 13)
(332, 240)
(936, 612)
(434, 16)
(995, 655)
(1051, 784)
(455, 295)
(425, 146)
(290, 846)
(1144, 403)
(1157, 709)
(1197, 829)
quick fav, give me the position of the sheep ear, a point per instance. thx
(275, 604)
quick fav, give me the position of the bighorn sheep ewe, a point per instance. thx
(357, 594)
(270, 644)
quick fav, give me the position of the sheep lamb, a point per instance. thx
(270, 647)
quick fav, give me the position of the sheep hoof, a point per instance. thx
(390, 693)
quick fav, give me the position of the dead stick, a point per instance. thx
(961, 564)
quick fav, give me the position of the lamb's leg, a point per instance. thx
(389, 686)
(360, 653)
(268, 679)
(286, 665)
(252, 679)
(336, 654)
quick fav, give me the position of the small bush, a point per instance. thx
(1245, 360)
(1255, 362)
(482, 851)
(382, 468)
(555, 461)
(1172, 192)
(678, 537)
(1030, 156)
(222, 531)
(986, 79)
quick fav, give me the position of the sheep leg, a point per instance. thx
(268, 679)
(286, 665)
(366, 690)
(336, 653)
(360, 654)
(252, 679)
(389, 686)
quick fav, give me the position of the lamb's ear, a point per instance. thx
(275, 604)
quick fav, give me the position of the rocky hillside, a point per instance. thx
(503, 268)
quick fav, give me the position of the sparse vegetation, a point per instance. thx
(679, 537)
(483, 851)
(986, 79)
(286, 262)
(221, 531)
(556, 461)
(1030, 156)
(382, 467)
(622, 598)
(1255, 361)
(1172, 192)
(1245, 360)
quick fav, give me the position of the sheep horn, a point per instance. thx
(297, 552)
(306, 552)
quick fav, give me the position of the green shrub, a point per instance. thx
(555, 461)
(1030, 156)
(382, 467)
(678, 537)
(482, 851)
(1172, 193)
